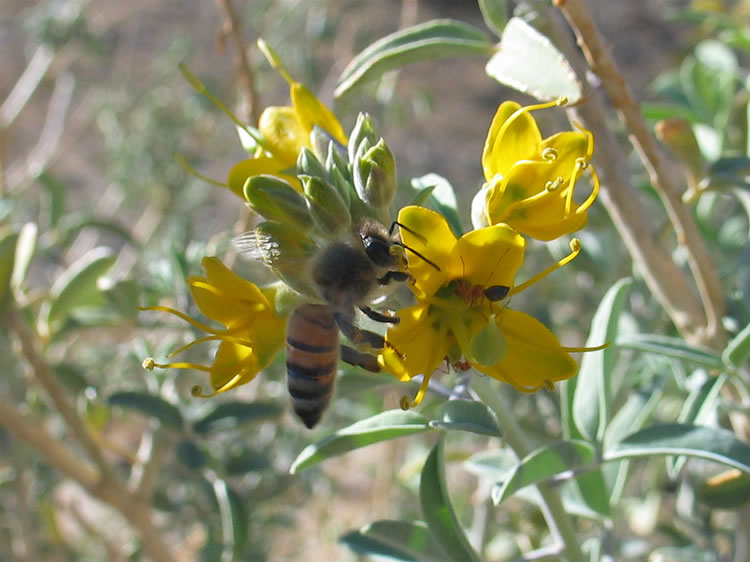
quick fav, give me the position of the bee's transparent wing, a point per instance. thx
(285, 250)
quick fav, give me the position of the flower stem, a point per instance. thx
(560, 524)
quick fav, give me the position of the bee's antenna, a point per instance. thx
(394, 224)
(413, 251)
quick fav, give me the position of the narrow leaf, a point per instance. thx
(397, 540)
(231, 415)
(437, 509)
(7, 263)
(738, 349)
(382, 427)
(149, 404)
(697, 410)
(427, 41)
(466, 415)
(495, 14)
(443, 197)
(593, 395)
(709, 443)
(518, 62)
(77, 287)
(25, 248)
(234, 520)
(672, 347)
(545, 463)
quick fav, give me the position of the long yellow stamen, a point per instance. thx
(585, 349)
(406, 403)
(273, 59)
(529, 108)
(149, 364)
(583, 207)
(185, 317)
(575, 247)
(190, 170)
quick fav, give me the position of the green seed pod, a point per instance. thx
(327, 207)
(276, 200)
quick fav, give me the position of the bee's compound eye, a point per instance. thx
(378, 250)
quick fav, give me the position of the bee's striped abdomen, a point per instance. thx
(312, 343)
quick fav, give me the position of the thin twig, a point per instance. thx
(31, 432)
(232, 28)
(665, 183)
(559, 521)
(42, 373)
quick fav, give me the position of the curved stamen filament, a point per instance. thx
(190, 170)
(586, 349)
(182, 315)
(149, 364)
(529, 108)
(406, 403)
(594, 191)
(575, 247)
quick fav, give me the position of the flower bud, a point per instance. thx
(327, 208)
(375, 174)
(363, 130)
(276, 200)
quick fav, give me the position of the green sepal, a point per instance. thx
(327, 208)
(308, 164)
(363, 130)
(488, 346)
(276, 200)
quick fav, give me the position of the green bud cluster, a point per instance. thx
(340, 185)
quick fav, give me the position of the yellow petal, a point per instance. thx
(431, 237)
(284, 133)
(568, 147)
(417, 345)
(546, 216)
(224, 296)
(311, 111)
(489, 256)
(255, 167)
(509, 141)
(234, 365)
(533, 358)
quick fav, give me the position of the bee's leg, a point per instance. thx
(362, 339)
(379, 316)
(398, 276)
(358, 359)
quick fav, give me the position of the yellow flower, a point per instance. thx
(459, 314)
(530, 180)
(285, 130)
(253, 333)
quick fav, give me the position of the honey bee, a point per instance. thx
(346, 273)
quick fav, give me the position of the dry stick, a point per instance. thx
(102, 483)
(112, 492)
(233, 29)
(42, 373)
(704, 273)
